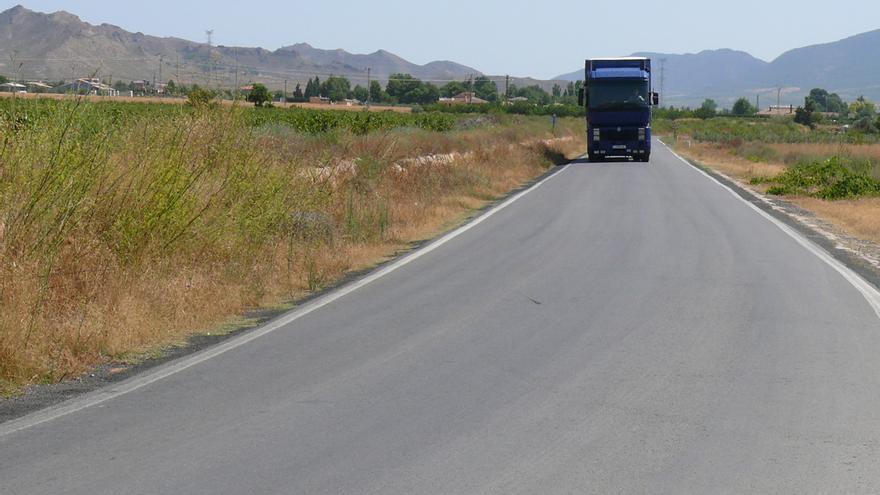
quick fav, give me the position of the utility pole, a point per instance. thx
(369, 83)
(160, 70)
(506, 88)
(210, 34)
(177, 70)
(778, 98)
(758, 101)
(662, 78)
(284, 98)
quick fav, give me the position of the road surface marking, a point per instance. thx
(111, 391)
(870, 293)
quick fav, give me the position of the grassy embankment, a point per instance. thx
(124, 228)
(834, 175)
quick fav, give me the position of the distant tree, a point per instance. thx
(360, 93)
(377, 94)
(569, 90)
(407, 89)
(862, 108)
(336, 88)
(120, 86)
(199, 97)
(298, 93)
(259, 95)
(535, 94)
(820, 98)
(486, 88)
(170, 87)
(707, 110)
(865, 125)
(3, 79)
(557, 91)
(827, 102)
(806, 115)
(431, 93)
(743, 107)
(402, 87)
(452, 88)
(278, 94)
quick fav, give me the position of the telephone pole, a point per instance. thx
(210, 34)
(663, 78)
(284, 98)
(369, 83)
(506, 88)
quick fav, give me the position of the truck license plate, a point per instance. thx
(619, 146)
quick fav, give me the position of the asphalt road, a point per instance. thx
(623, 328)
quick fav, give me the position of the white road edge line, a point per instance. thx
(136, 382)
(868, 291)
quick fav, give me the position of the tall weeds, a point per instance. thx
(121, 233)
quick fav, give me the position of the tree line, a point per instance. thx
(819, 106)
(408, 90)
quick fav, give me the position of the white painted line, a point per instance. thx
(870, 293)
(136, 382)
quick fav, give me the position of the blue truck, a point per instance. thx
(618, 97)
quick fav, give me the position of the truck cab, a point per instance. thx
(618, 97)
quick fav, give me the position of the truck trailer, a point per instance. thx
(618, 97)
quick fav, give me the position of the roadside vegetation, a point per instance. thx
(828, 163)
(126, 227)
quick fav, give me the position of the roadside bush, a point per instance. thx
(832, 179)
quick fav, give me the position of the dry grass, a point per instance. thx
(181, 101)
(726, 161)
(858, 217)
(117, 241)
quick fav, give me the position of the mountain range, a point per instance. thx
(60, 46)
(850, 67)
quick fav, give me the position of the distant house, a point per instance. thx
(88, 86)
(466, 98)
(778, 111)
(11, 87)
(37, 86)
(320, 100)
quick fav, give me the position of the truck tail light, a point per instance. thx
(595, 134)
(641, 133)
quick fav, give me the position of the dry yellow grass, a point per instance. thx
(177, 227)
(724, 160)
(859, 217)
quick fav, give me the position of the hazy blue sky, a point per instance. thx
(541, 39)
